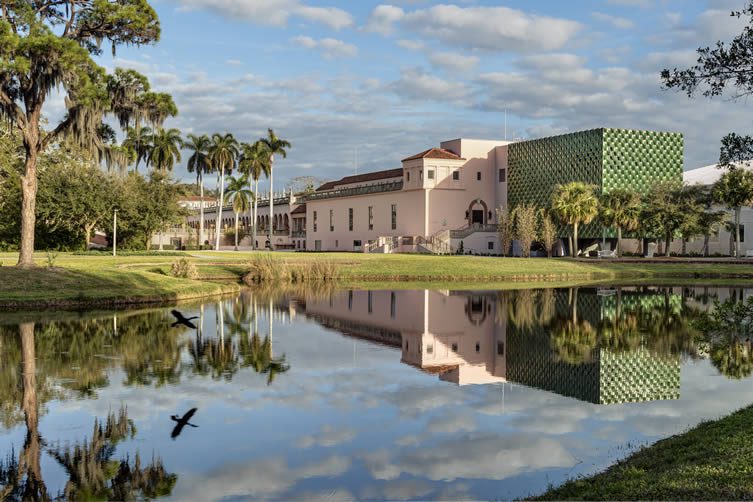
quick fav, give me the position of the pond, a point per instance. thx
(345, 395)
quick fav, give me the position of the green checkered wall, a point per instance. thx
(607, 158)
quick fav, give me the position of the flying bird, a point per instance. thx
(182, 422)
(182, 320)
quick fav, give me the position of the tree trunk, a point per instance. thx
(684, 250)
(619, 240)
(28, 206)
(271, 202)
(32, 450)
(575, 240)
(236, 231)
(201, 212)
(737, 233)
(706, 245)
(668, 243)
(218, 220)
(160, 241)
(256, 196)
(88, 235)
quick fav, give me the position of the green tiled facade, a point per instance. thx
(607, 158)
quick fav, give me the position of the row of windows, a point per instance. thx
(430, 348)
(370, 303)
(393, 221)
(456, 175)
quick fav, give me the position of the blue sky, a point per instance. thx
(392, 79)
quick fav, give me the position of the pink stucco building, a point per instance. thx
(437, 199)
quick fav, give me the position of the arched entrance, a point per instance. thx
(477, 213)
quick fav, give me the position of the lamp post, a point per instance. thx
(115, 233)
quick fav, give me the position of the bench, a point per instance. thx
(608, 253)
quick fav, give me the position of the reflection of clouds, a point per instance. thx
(328, 436)
(452, 421)
(475, 456)
(260, 479)
(401, 489)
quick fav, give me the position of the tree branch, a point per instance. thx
(13, 108)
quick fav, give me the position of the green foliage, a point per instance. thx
(524, 217)
(547, 231)
(505, 229)
(575, 203)
(667, 208)
(165, 150)
(620, 209)
(184, 269)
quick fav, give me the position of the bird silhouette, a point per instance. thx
(182, 422)
(182, 320)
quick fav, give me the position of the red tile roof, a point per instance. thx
(300, 209)
(362, 178)
(435, 153)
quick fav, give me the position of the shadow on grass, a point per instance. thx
(71, 288)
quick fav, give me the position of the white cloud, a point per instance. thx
(453, 61)
(615, 21)
(417, 84)
(411, 45)
(330, 47)
(490, 28)
(383, 18)
(272, 12)
(631, 3)
(234, 62)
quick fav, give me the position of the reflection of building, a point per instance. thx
(472, 338)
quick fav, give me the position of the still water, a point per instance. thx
(341, 395)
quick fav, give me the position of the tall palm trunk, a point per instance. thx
(236, 230)
(219, 209)
(256, 192)
(575, 239)
(201, 211)
(737, 232)
(271, 201)
(619, 240)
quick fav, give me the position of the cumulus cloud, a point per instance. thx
(490, 28)
(453, 61)
(329, 47)
(615, 21)
(415, 83)
(272, 12)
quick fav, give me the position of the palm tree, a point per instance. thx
(735, 190)
(240, 197)
(254, 162)
(575, 203)
(198, 162)
(222, 154)
(274, 146)
(140, 142)
(165, 151)
(621, 209)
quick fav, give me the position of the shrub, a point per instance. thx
(264, 269)
(184, 269)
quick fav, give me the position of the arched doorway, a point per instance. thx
(477, 213)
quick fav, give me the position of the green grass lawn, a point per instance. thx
(714, 461)
(86, 279)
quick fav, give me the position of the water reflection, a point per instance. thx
(598, 345)
(361, 394)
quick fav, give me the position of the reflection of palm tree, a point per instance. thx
(93, 474)
(733, 359)
(258, 354)
(574, 340)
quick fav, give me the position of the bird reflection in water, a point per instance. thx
(181, 320)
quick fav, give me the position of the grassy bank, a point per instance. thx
(714, 461)
(90, 280)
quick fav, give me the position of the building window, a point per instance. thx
(356, 244)
(317, 245)
(371, 217)
(407, 175)
(350, 300)
(455, 347)
(478, 347)
(429, 349)
(393, 304)
(455, 175)
(337, 243)
(331, 220)
(491, 245)
(430, 174)
(742, 233)
(478, 176)
(502, 175)
(394, 216)
(350, 219)
(420, 174)
(500, 348)
(314, 221)
(371, 305)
